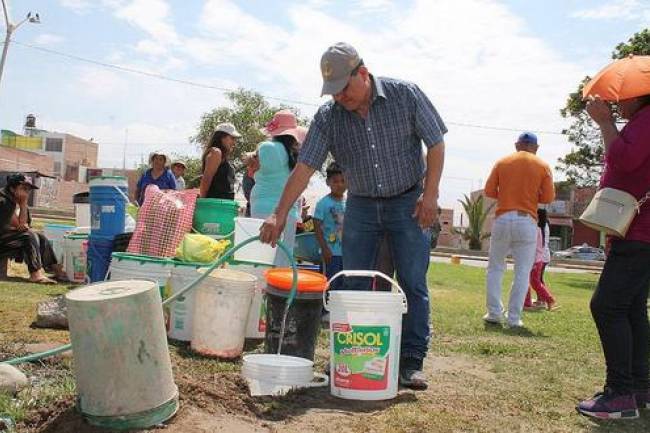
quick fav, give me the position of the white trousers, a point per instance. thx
(514, 233)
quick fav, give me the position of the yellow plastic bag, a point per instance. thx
(201, 248)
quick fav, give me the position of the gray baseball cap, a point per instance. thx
(336, 66)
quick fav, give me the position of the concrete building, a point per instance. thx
(71, 155)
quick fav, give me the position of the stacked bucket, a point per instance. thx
(108, 200)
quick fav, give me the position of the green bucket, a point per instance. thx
(213, 216)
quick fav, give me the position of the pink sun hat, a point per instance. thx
(284, 122)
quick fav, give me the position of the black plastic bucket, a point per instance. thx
(303, 321)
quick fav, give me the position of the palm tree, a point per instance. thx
(476, 215)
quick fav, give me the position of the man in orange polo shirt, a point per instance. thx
(519, 182)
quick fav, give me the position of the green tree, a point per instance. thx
(249, 112)
(583, 165)
(476, 212)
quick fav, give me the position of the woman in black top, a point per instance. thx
(218, 179)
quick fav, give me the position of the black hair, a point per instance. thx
(332, 170)
(645, 100)
(216, 140)
(290, 145)
(542, 222)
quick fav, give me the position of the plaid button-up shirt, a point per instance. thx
(381, 155)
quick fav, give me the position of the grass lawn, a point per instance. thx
(482, 378)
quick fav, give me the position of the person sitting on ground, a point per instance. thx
(218, 179)
(18, 239)
(158, 174)
(178, 169)
(328, 224)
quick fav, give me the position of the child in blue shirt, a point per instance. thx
(328, 224)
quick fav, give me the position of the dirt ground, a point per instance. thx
(220, 403)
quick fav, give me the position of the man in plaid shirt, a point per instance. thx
(374, 128)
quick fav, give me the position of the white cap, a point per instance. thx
(229, 129)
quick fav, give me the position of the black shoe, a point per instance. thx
(413, 379)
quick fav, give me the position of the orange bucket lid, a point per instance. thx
(308, 281)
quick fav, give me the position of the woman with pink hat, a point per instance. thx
(277, 157)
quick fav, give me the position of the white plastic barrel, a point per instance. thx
(255, 252)
(75, 247)
(181, 311)
(365, 337)
(221, 306)
(127, 266)
(121, 359)
(256, 325)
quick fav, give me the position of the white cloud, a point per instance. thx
(151, 16)
(48, 39)
(476, 60)
(630, 10)
(78, 6)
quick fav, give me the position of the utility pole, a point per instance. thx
(11, 28)
(126, 140)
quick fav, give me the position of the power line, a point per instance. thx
(151, 74)
(225, 89)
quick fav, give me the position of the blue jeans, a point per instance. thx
(334, 267)
(367, 221)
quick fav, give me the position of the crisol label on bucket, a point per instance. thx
(361, 357)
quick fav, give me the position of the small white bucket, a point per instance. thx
(365, 337)
(221, 306)
(75, 247)
(268, 374)
(256, 325)
(181, 311)
(255, 252)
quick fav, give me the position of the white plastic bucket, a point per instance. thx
(365, 337)
(255, 252)
(277, 374)
(181, 311)
(126, 266)
(55, 233)
(75, 247)
(256, 325)
(221, 307)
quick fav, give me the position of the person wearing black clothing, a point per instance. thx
(218, 179)
(18, 240)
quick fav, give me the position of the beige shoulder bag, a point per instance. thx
(612, 211)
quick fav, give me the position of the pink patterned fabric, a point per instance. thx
(163, 220)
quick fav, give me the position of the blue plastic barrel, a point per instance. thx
(99, 257)
(108, 200)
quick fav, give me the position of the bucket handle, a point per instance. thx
(319, 380)
(367, 274)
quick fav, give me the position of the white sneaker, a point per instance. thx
(494, 320)
(517, 324)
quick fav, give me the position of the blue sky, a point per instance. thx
(498, 63)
